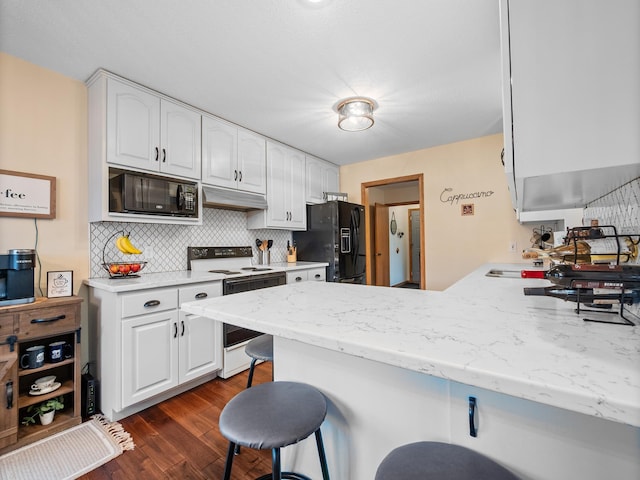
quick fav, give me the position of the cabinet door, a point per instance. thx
(551, 442)
(9, 396)
(200, 346)
(330, 178)
(278, 196)
(133, 126)
(149, 356)
(251, 162)
(297, 206)
(219, 153)
(314, 190)
(180, 140)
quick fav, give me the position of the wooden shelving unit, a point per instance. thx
(40, 323)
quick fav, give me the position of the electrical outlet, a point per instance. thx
(513, 246)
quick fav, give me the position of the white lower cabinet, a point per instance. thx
(537, 441)
(148, 349)
(149, 356)
(318, 274)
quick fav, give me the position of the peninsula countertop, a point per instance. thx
(482, 332)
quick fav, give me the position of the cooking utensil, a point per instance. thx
(258, 243)
(269, 244)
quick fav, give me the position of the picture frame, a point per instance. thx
(466, 209)
(60, 283)
(27, 195)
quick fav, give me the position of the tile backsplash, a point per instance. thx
(165, 246)
(620, 208)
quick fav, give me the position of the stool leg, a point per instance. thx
(275, 461)
(251, 368)
(323, 458)
(229, 463)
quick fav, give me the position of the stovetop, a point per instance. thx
(229, 261)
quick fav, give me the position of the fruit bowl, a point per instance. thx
(123, 269)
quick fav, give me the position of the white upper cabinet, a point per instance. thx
(232, 157)
(571, 99)
(321, 177)
(285, 191)
(147, 132)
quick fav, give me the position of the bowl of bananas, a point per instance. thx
(123, 269)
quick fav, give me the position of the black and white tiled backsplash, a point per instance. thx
(620, 208)
(165, 246)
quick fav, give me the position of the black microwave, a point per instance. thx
(152, 195)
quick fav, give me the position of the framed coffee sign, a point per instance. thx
(27, 195)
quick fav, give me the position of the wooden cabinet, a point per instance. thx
(22, 326)
(131, 127)
(571, 100)
(152, 133)
(318, 274)
(149, 349)
(321, 177)
(232, 157)
(285, 191)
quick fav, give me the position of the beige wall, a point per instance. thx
(455, 244)
(43, 130)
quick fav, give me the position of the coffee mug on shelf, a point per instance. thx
(58, 351)
(33, 358)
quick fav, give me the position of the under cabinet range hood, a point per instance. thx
(216, 197)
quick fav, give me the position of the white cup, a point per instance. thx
(43, 383)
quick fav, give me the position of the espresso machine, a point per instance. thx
(16, 277)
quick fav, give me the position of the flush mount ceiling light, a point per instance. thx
(355, 113)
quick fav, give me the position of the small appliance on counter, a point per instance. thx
(16, 277)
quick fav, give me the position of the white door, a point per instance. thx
(278, 186)
(133, 126)
(200, 346)
(180, 146)
(252, 162)
(331, 179)
(219, 153)
(149, 356)
(297, 204)
(314, 174)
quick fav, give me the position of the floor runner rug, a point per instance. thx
(68, 454)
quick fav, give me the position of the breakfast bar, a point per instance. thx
(555, 397)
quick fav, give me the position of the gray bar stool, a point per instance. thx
(273, 415)
(260, 348)
(436, 460)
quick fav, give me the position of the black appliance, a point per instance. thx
(152, 195)
(16, 277)
(335, 234)
(241, 276)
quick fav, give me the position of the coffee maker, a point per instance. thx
(16, 277)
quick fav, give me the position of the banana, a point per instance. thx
(124, 245)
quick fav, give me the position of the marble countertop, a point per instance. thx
(182, 277)
(482, 331)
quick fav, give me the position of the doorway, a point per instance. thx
(378, 197)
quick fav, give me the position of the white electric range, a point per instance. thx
(240, 276)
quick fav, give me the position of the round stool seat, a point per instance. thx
(261, 348)
(436, 460)
(273, 415)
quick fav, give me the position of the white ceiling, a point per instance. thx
(278, 67)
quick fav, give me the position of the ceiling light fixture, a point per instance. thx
(355, 113)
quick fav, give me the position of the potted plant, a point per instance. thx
(45, 410)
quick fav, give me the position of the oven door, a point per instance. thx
(233, 335)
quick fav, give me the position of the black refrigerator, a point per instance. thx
(335, 234)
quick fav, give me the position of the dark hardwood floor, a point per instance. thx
(179, 438)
